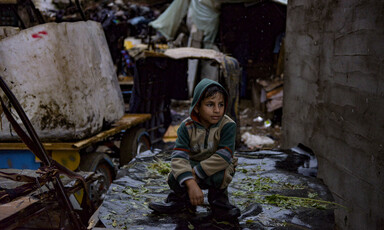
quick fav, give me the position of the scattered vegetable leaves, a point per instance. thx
(161, 167)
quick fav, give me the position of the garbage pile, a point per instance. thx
(119, 19)
(257, 131)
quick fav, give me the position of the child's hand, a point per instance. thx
(196, 196)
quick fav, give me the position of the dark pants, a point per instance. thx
(221, 208)
(211, 183)
(214, 181)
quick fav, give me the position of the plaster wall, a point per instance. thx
(334, 100)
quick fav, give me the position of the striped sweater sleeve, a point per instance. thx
(181, 168)
(221, 159)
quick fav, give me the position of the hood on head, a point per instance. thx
(198, 92)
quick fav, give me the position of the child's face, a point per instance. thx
(211, 110)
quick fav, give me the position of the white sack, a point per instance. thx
(64, 78)
(253, 141)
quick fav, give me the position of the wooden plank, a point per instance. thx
(274, 92)
(94, 220)
(126, 122)
(8, 1)
(171, 134)
(126, 81)
(47, 146)
(147, 53)
(273, 85)
(24, 211)
(15, 206)
(68, 182)
(20, 211)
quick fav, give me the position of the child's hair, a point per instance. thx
(212, 90)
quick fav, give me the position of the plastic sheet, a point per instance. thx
(267, 188)
(168, 22)
(205, 15)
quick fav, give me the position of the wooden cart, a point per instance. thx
(124, 140)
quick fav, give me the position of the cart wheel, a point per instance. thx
(99, 188)
(134, 142)
(98, 162)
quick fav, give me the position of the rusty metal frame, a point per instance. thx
(33, 142)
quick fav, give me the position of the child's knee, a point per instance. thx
(221, 180)
(228, 174)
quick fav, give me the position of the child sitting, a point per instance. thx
(203, 156)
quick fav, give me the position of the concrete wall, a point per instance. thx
(334, 100)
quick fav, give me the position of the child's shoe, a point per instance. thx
(226, 211)
(222, 209)
(174, 203)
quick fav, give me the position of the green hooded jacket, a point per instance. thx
(208, 151)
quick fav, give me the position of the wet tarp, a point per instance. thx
(273, 189)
